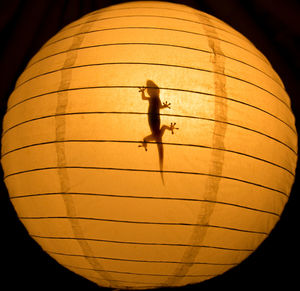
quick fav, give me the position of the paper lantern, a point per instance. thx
(205, 104)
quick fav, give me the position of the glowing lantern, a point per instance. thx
(207, 106)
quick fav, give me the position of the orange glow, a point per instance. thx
(149, 144)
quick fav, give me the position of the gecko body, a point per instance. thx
(157, 131)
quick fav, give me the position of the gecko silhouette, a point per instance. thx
(154, 121)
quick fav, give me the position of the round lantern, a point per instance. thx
(147, 145)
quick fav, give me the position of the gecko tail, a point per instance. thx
(162, 177)
(161, 160)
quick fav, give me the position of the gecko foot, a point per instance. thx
(143, 145)
(167, 105)
(142, 89)
(172, 127)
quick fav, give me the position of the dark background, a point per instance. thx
(274, 28)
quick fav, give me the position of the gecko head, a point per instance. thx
(152, 89)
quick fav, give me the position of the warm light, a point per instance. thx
(149, 144)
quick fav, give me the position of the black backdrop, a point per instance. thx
(273, 26)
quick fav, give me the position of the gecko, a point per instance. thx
(157, 132)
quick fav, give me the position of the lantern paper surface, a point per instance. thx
(149, 144)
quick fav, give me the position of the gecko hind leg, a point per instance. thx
(146, 140)
(166, 127)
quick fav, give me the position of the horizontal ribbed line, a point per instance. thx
(134, 287)
(238, 36)
(140, 261)
(164, 143)
(143, 113)
(142, 274)
(144, 197)
(145, 171)
(161, 88)
(181, 19)
(160, 65)
(150, 44)
(126, 281)
(153, 28)
(210, 17)
(144, 286)
(144, 222)
(146, 243)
